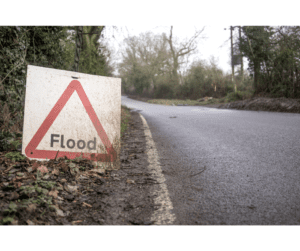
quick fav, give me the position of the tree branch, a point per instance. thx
(170, 41)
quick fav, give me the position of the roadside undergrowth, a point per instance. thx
(125, 117)
(186, 101)
(31, 191)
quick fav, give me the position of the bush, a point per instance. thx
(239, 95)
(233, 96)
(22, 46)
(164, 91)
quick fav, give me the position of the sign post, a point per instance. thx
(71, 114)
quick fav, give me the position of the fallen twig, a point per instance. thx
(85, 204)
(56, 155)
(198, 173)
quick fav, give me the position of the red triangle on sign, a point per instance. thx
(31, 150)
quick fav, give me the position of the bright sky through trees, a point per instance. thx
(216, 41)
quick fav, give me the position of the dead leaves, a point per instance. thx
(55, 172)
(100, 170)
(29, 222)
(53, 193)
(31, 208)
(36, 187)
(76, 222)
(43, 169)
(64, 166)
(129, 181)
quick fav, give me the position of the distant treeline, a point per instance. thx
(151, 65)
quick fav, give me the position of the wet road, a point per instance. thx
(226, 166)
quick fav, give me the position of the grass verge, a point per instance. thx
(186, 102)
(125, 116)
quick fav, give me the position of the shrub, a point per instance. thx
(164, 91)
(239, 95)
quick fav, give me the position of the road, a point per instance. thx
(227, 167)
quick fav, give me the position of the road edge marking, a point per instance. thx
(163, 214)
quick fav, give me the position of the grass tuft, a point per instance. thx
(125, 116)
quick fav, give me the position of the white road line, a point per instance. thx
(163, 215)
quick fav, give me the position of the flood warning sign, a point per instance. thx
(71, 114)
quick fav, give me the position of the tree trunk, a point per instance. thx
(297, 82)
(293, 82)
(256, 76)
(174, 71)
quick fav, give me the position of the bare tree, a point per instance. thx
(178, 52)
(145, 57)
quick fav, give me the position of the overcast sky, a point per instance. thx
(135, 17)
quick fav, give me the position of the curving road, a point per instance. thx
(226, 166)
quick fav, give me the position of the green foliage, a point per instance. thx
(7, 220)
(239, 95)
(15, 156)
(273, 54)
(139, 78)
(233, 96)
(8, 142)
(45, 46)
(203, 80)
(13, 44)
(12, 208)
(15, 144)
(164, 90)
(45, 184)
(10, 212)
(23, 45)
(197, 81)
(125, 116)
(94, 56)
(82, 168)
(4, 140)
(19, 47)
(41, 188)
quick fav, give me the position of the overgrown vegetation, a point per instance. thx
(273, 55)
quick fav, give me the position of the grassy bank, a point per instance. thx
(186, 102)
(230, 97)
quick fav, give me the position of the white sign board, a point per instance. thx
(71, 114)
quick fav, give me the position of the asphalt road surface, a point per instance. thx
(227, 167)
